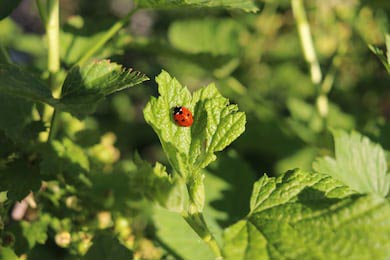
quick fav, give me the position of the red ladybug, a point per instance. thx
(182, 116)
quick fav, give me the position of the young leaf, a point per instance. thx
(245, 5)
(216, 124)
(309, 216)
(36, 231)
(359, 163)
(16, 82)
(84, 87)
(155, 184)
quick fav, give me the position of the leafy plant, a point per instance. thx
(89, 168)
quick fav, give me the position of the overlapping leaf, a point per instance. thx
(85, 86)
(216, 124)
(309, 216)
(15, 81)
(359, 163)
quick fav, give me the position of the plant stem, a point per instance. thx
(52, 19)
(53, 38)
(106, 37)
(198, 224)
(310, 54)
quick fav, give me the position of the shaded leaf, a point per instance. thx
(105, 246)
(18, 116)
(64, 157)
(7, 6)
(84, 87)
(16, 82)
(19, 178)
(309, 216)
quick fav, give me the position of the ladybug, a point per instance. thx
(182, 116)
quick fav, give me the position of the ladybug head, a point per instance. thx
(177, 110)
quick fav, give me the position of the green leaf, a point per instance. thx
(36, 231)
(245, 5)
(107, 247)
(309, 216)
(228, 183)
(7, 6)
(16, 82)
(216, 124)
(178, 237)
(359, 163)
(208, 35)
(64, 157)
(84, 87)
(17, 118)
(157, 185)
(19, 178)
(7, 253)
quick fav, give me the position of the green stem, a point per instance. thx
(52, 19)
(4, 57)
(53, 37)
(106, 37)
(310, 54)
(54, 125)
(198, 224)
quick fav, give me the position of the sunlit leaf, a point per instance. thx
(359, 163)
(309, 216)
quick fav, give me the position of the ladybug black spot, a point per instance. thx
(183, 120)
(188, 114)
